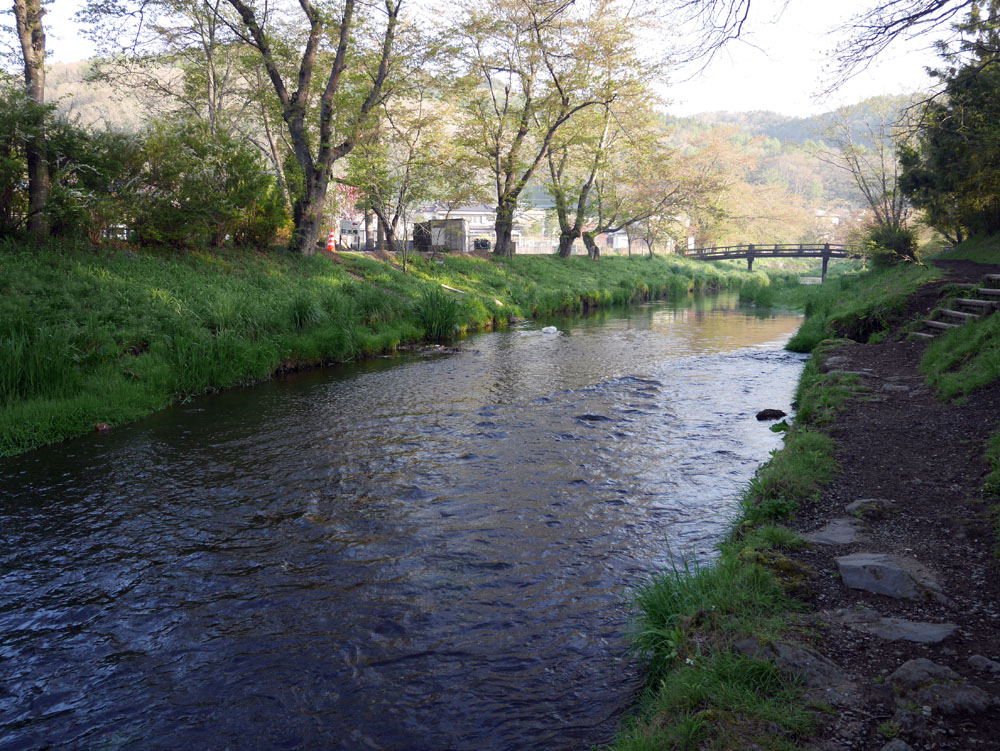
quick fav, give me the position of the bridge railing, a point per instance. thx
(750, 251)
(770, 249)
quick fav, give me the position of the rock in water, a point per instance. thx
(770, 414)
(550, 330)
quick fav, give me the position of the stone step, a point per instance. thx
(992, 277)
(940, 324)
(988, 292)
(959, 314)
(980, 304)
(921, 335)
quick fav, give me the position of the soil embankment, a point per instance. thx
(905, 586)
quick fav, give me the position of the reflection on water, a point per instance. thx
(419, 554)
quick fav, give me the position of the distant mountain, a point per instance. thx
(799, 130)
(771, 124)
(91, 103)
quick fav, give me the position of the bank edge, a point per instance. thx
(704, 688)
(93, 338)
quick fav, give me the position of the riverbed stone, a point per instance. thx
(871, 507)
(895, 387)
(770, 414)
(954, 699)
(825, 681)
(890, 575)
(836, 532)
(921, 671)
(895, 629)
(979, 662)
(897, 744)
(831, 362)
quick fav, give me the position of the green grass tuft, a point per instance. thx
(964, 358)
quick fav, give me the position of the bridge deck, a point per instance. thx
(750, 252)
(777, 250)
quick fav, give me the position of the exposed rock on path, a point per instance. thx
(925, 665)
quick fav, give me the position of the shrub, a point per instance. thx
(887, 246)
(438, 313)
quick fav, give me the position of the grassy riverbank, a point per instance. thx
(703, 631)
(103, 337)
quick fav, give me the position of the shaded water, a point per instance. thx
(405, 554)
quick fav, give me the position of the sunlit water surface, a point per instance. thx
(426, 553)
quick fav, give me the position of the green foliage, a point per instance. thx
(886, 246)
(792, 475)
(730, 594)
(304, 311)
(820, 396)
(174, 184)
(954, 173)
(981, 249)
(757, 289)
(854, 306)
(184, 166)
(439, 314)
(90, 335)
(35, 360)
(964, 358)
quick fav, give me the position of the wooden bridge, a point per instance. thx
(826, 251)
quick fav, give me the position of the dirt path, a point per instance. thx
(934, 539)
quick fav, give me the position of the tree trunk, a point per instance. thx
(308, 215)
(381, 233)
(31, 33)
(566, 244)
(592, 250)
(504, 229)
(369, 240)
(275, 156)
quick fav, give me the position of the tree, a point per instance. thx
(602, 140)
(178, 57)
(182, 59)
(529, 68)
(953, 170)
(399, 162)
(31, 35)
(871, 32)
(353, 88)
(866, 148)
(623, 174)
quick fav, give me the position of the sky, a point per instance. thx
(778, 65)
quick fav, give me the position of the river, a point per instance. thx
(425, 553)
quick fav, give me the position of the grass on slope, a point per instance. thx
(104, 336)
(982, 249)
(854, 306)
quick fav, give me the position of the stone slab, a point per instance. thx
(895, 629)
(890, 575)
(836, 532)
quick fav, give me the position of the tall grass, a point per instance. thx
(700, 693)
(439, 314)
(964, 359)
(103, 336)
(855, 306)
(34, 360)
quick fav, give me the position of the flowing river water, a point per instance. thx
(425, 553)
